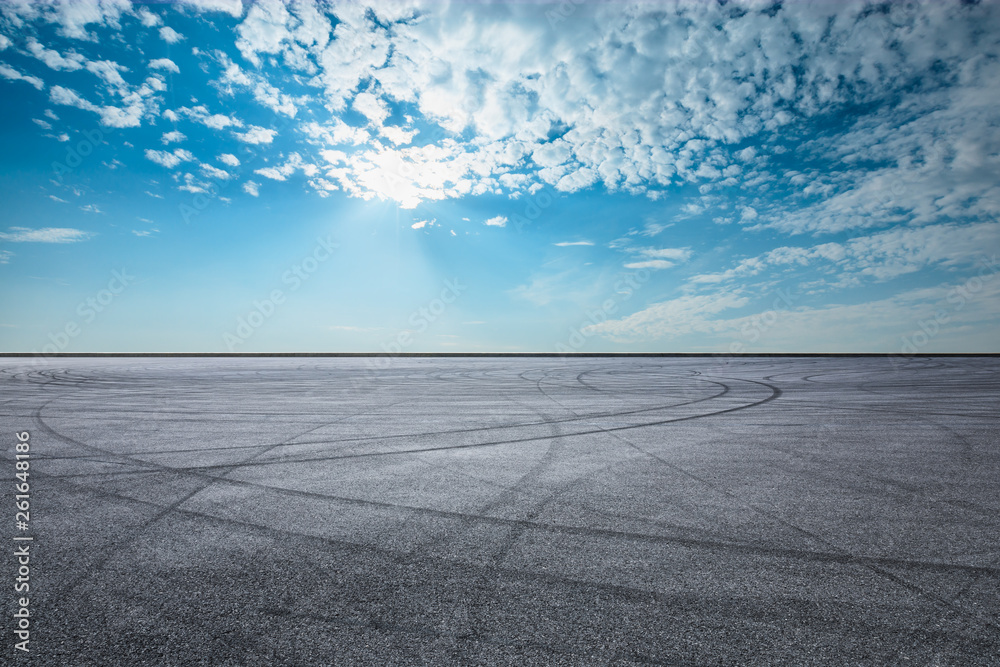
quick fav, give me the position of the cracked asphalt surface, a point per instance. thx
(583, 511)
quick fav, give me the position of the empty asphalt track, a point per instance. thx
(689, 511)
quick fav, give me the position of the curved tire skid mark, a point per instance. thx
(404, 452)
(870, 564)
(126, 541)
(604, 415)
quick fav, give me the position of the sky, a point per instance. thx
(739, 177)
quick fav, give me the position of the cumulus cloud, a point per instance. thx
(121, 116)
(370, 106)
(9, 72)
(511, 97)
(148, 18)
(168, 159)
(877, 257)
(190, 183)
(109, 72)
(68, 97)
(290, 166)
(256, 135)
(200, 114)
(169, 35)
(173, 137)
(496, 221)
(164, 64)
(639, 113)
(251, 188)
(137, 102)
(263, 92)
(72, 18)
(572, 243)
(231, 7)
(831, 327)
(228, 159)
(214, 172)
(69, 62)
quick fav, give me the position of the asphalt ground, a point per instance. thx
(587, 511)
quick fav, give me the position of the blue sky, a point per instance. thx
(426, 176)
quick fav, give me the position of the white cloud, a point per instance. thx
(148, 18)
(65, 96)
(675, 254)
(214, 172)
(638, 99)
(9, 72)
(72, 17)
(496, 221)
(322, 186)
(193, 185)
(399, 136)
(231, 7)
(44, 235)
(625, 111)
(169, 35)
(572, 243)
(415, 173)
(371, 107)
(936, 158)
(683, 315)
(138, 103)
(200, 114)
(264, 30)
(164, 64)
(69, 62)
(651, 258)
(336, 132)
(263, 92)
(228, 159)
(121, 117)
(4, 42)
(964, 307)
(876, 257)
(251, 188)
(167, 159)
(109, 72)
(173, 137)
(649, 264)
(256, 135)
(291, 165)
